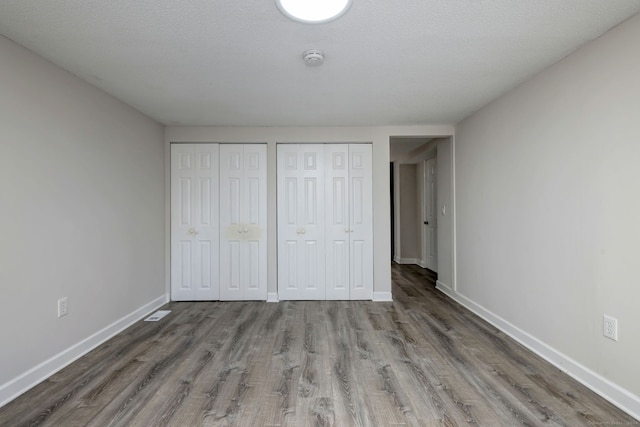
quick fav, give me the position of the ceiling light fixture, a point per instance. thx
(313, 11)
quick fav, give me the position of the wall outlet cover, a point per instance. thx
(63, 307)
(610, 327)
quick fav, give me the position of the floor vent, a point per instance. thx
(157, 315)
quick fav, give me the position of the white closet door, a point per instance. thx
(243, 221)
(301, 240)
(194, 222)
(338, 229)
(255, 220)
(361, 222)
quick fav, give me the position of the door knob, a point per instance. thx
(192, 231)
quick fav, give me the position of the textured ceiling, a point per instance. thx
(239, 63)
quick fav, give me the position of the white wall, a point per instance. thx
(548, 212)
(444, 199)
(82, 198)
(378, 136)
(409, 232)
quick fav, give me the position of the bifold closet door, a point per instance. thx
(349, 222)
(360, 222)
(194, 222)
(337, 229)
(325, 221)
(243, 222)
(301, 241)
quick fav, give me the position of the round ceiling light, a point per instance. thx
(313, 11)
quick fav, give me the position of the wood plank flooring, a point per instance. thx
(422, 360)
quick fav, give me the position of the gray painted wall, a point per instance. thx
(82, 208)
(548, 206)
(409, 231)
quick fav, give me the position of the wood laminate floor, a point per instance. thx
(422, 360)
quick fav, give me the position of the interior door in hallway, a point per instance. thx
(430, 217)
(301, 240)
(194, 222)
(243, 222)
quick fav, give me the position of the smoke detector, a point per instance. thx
(313, 57)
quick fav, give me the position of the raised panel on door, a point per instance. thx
(243, 250)
(301, 245)
(194, 222)
(361, 222)
(338, 230)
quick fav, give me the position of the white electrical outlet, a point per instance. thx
(610, 327)
(63, 307)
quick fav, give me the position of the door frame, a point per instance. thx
(446, 232)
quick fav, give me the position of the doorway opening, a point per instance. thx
(422, 204)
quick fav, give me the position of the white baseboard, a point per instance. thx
(406, 260)
(612, 392)
(421, 263)
(440, 284)
(382, 296)
(39, 373)
(272, 297)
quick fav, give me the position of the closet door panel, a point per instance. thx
(288, 165)
(311, 268)
(300, 222)
(243, 216)
(182, 205)
(337, 221)
(194, 222)
(206, 222)
(231, 264)
(361, 222)
(255, 222)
